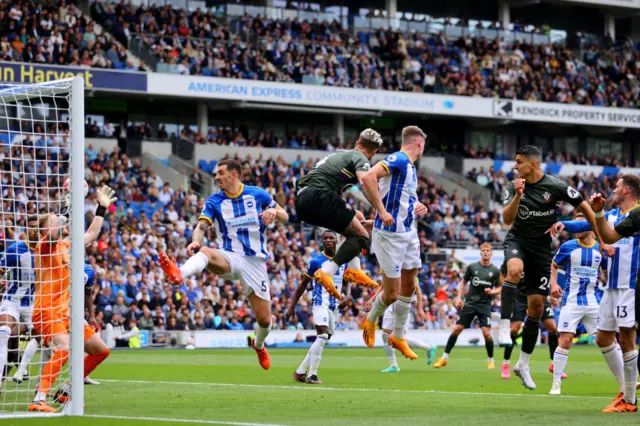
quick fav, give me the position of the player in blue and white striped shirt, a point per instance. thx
(241, 214)
(582, 261)
(326, 308)
(16, 264)
(617, 310)
(392, 187)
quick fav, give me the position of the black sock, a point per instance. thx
(509, 349)
(553, 343)
(451, 343)
(13, 350)
(350, 248)
(489, 345)
(530, 335)
(508, 299)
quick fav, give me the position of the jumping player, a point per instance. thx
(241, 214)
(531, 206)
(319, 202)
(326, 310)
(581, 259)
(484, 283)
(51, 308)
(391, 186)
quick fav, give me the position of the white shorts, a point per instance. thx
(570, 317)
(396, 251)
(323, 316)
(250, 271)
(21, 314)
(389, 319)
(617, 309)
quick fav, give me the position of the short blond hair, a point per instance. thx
(411, 132)
(487, 245)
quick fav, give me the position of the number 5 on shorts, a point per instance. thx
(264, 286)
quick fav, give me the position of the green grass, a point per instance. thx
(229, 386)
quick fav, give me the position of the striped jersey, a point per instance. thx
(321, 297)
(17, 263)
(239, 228)
(582, 265)
(623, 266)
(399, 192)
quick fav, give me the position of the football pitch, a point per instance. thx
(227, 387)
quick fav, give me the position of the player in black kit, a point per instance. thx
(532, 203)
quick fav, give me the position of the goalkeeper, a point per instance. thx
(51, 307)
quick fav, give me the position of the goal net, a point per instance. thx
(41, 248)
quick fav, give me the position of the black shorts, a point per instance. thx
(470, 312)
(520, 310)
(324, 208)
(537, 264)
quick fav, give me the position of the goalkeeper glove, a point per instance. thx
(105, 199)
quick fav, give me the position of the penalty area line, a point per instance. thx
(172, 420)
(332, 389)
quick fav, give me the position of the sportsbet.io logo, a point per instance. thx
(477, 281)
(524, 213)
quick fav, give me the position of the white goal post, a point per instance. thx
(41, 146)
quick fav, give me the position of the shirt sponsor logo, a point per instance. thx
(584, 272)
(242, 221)
(477, 281)
(525, 213)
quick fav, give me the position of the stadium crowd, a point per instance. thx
(326, 53)
(56, 33)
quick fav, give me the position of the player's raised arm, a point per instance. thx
(272, 211)
(204, 222)
(605, 231)
(511, 200)
(105, 198)
(369, 186)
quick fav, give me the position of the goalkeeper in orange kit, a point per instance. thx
(51, 309)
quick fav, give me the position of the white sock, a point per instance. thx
(330, 267)
(261, 335)
(388, 350)
(355, 264)
(40, 396)
(315, 353)
(490, 360)
(5, 333)
(418, 344)
(305, 364)
(29, 352)
(613, 356)
(506, 362)
(630, 376)
(560, 359)
(523, 362)
(194, 265)
(401, 313)
(378, 307)
(445, 355)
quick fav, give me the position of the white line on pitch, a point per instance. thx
(324, 388)
(164, 419)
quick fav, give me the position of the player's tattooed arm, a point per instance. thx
(198, 235)
(595, 215)
(369, 186)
